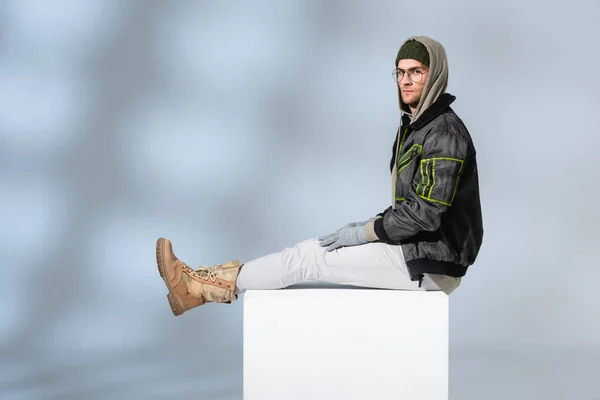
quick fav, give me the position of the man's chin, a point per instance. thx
(411, 102)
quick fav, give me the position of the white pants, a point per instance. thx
(374, 265)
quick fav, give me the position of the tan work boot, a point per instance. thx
(189, 288)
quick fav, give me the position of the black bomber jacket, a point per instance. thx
(436, 216)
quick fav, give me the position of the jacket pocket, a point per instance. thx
(439, 179)
(404, 162)
(407, 158)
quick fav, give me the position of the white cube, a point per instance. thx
(311, 343)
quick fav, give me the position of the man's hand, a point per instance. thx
(347, 236)
(356, 224)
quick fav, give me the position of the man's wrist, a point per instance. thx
(380, 232)
(370, 232)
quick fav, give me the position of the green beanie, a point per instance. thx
(414, 50)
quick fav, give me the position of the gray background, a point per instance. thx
(238, 128)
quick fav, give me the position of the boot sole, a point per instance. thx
(175, 307)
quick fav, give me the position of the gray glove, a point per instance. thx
(356, 224)
(347, 236)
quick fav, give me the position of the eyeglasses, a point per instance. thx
(415, 75)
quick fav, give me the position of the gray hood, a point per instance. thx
(437, 80)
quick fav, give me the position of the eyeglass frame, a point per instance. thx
(410, 71)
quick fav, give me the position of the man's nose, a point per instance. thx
(408, 81)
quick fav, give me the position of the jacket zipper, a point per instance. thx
(398, 149)
(401, 144)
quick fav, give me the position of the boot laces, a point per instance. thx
(207, 273)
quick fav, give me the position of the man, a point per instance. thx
(425, 240)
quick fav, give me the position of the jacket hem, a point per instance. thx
(419, 266)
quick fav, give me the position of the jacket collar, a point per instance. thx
(434, 110)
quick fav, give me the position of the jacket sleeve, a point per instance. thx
(431, 192)
(381, 214)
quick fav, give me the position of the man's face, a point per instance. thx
(411, 91)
